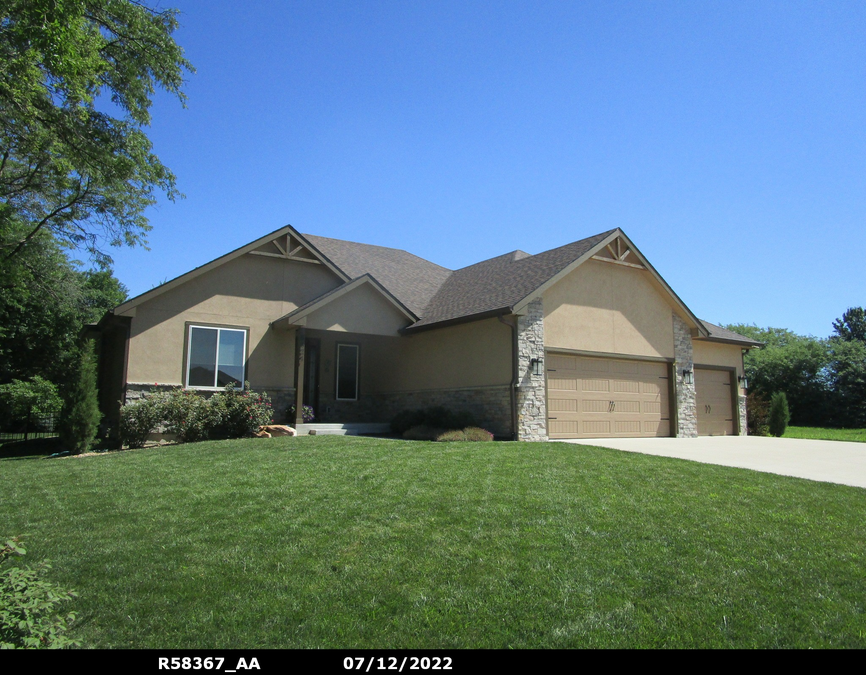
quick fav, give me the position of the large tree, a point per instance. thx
(794, 364)
(76, 84)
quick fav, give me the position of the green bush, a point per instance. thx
(237, 414)
(757, 414)
(79, 421)
(139, 420)
(779, 414)
(187, 415)
(37, 398)
(193, 417)
(29, 606)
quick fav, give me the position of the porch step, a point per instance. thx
(348, 429)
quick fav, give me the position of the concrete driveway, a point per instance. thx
(828, 461)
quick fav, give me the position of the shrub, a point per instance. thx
(29, 605)
(186, 414)
(80, 419)
(236, 414)
(139, 420)
(308, 413)
(757, 414)
(37, 397)
(450, 436)
(779, 414)
(436, 417)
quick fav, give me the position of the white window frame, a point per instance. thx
(216, 365)
(357, 349)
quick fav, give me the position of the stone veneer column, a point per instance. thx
(687, 413)
(744, 426)
(531, 403)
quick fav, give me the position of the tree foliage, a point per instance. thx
(794, 364)
(45, 300)
(852, 325)
(80, 419)
(67, 166)
(779, 415)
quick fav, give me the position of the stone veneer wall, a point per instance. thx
(491, 406)
(744, 426)
(687, 413)
(531, 401)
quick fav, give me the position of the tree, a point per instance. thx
(852, 325)
(795, 364)
(80, 419)
(44, 303)
(779, 415)
(68, 167)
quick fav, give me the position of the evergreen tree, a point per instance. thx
(80, 418)
(779, 414)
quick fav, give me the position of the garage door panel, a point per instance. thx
(595, 385)
(714, 403)
(600, 397)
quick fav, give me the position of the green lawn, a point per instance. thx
(350, 542)
(824, 434)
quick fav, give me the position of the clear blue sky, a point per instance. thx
(727, 139)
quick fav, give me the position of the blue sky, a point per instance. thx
(727, 139)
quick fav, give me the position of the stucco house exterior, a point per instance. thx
(583, 341)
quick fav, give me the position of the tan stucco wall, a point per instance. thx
(474, 354)
(718, 354)
(248, 292)
(602, 307)
(361, 310)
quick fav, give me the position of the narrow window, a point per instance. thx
(347, 372)
(215, 357)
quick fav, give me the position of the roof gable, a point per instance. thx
(269, 245)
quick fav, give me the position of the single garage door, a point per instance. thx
(715, 406)
(589, 397)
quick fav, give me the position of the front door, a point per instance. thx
(311, 375)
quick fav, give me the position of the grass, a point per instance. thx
(352, 542)
(825, 434)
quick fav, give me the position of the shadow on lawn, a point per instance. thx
(37, 447)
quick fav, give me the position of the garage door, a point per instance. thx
(590, 397)
(715, 407)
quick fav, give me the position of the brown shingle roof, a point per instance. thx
(412, 280)
(500, 282)
(725, 335)
(437, 294)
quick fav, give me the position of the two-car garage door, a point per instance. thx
(591, 397)
(594, 397)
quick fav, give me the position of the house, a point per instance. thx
(583, 341)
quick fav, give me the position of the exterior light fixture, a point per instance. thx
(744, 383)
(537, 366)
(688, 377)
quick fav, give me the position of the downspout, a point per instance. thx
(515, 378)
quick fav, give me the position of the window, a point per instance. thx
(347, 372)
(215, 357)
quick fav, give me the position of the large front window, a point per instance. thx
(215, 357)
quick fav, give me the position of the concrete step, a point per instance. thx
(347, 429)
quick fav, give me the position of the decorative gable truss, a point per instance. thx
(619, 252)
(287, 247)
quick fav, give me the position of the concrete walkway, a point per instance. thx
(827, 461)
